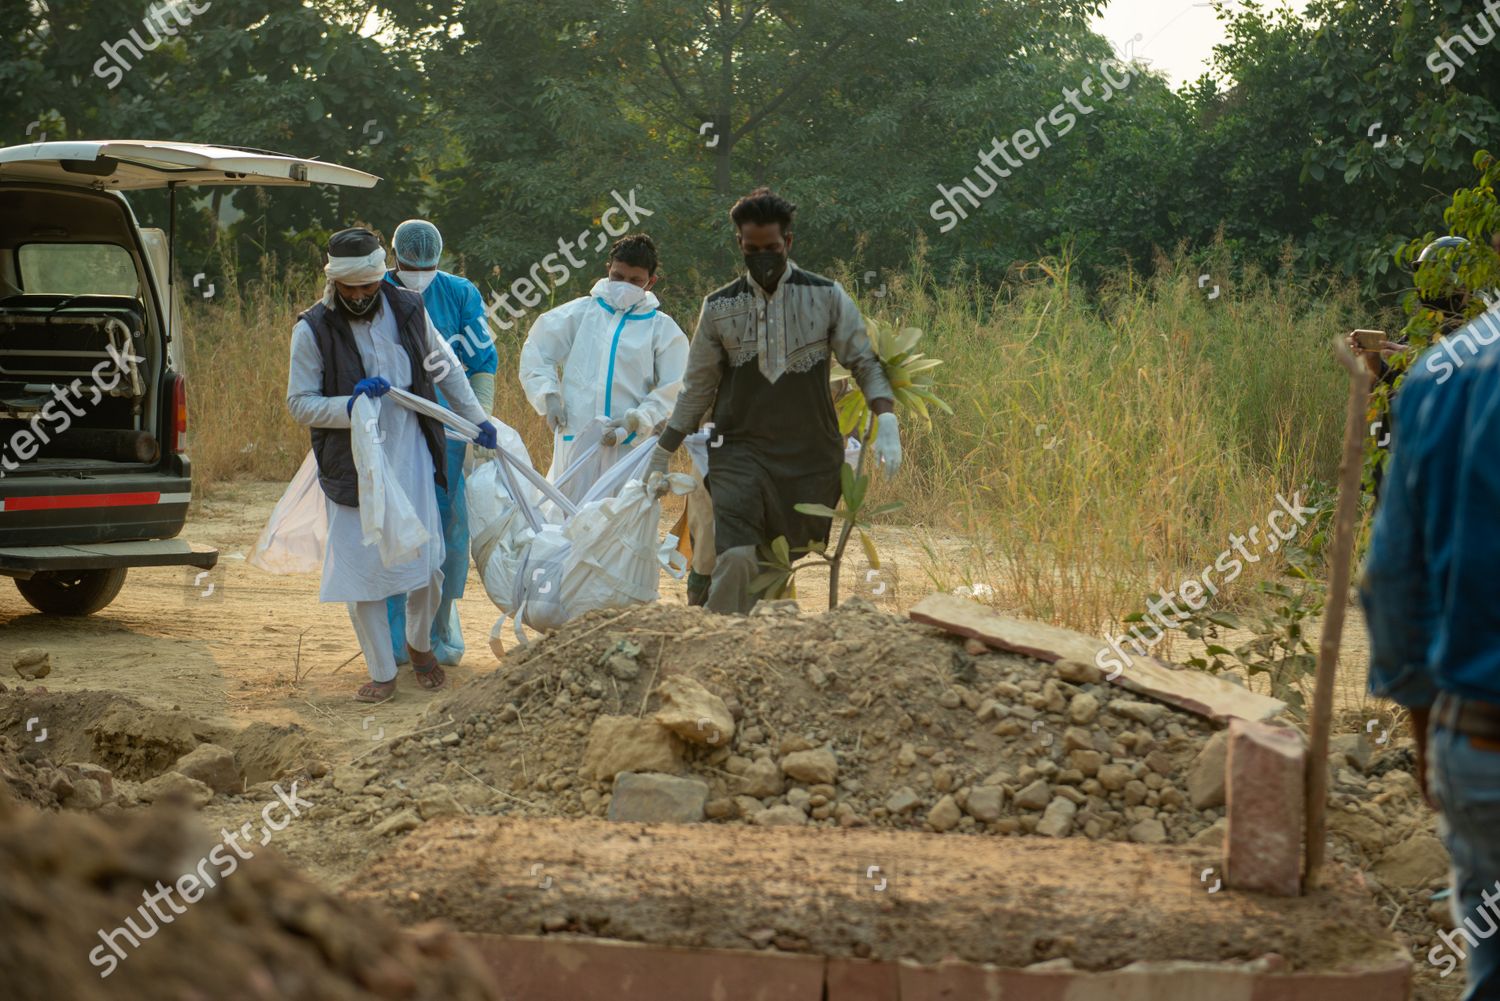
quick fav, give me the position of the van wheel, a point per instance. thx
(72, 592)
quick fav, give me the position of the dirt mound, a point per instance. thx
(852, 718)
(260, 932)
(131, 739)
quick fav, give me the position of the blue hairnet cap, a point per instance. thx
(417, 242)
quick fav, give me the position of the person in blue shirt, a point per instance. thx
(1433, 611)
(457, 311)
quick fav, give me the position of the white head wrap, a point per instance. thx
(353, 271)
(357, 270)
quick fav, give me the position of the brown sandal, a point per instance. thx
(375, 691)
(429, 673)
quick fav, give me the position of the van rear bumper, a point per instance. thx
(25, 561)
(83, 511)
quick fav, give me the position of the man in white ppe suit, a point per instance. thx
(611, 354)
(366, 336)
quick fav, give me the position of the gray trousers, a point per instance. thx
(734, 571)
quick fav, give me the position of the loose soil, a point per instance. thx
(261, 668)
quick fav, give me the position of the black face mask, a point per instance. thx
(766, 267)
(356, 308)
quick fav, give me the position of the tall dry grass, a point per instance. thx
(1103, 446)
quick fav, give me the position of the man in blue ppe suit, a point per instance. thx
(457, 311)
(1434, 619)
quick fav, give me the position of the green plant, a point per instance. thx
(1278, 645)
(910, 374)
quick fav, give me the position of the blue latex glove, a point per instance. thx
(486, 438)
(373, 386)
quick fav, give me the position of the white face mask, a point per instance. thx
(416, 280)
(620, 295)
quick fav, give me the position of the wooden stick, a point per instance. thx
(1345, 516)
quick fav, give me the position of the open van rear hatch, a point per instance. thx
(95, 475)
(135, 165)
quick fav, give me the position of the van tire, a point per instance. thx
(72, 592)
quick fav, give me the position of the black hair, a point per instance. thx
(356, 242)
(763, 206)
(637, 250)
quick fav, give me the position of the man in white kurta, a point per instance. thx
(352, 571)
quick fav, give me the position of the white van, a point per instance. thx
(94, 472)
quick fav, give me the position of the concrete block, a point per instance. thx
(1266, 769)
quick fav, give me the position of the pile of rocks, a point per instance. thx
(848, 719)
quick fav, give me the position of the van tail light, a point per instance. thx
(178, 437)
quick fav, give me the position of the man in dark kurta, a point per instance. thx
(760, 357)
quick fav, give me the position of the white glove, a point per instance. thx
(556, 415)
(631, 422)
(656, 472)
(887, 444)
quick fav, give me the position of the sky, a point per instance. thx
(1177, 36)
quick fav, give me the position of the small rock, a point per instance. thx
(1035, 796)
(975, 647)
(984, 804)
(1113, 777)
(1148, 832)
(86, 795)
(723, 808)
(1088, 762)
(762, 779)
(625, 744)
(748, 806)
(944, 815)
(813, 767)
(437, 800)
(1147, 713)
(398, 823)
(1205, 779)
(1211, 836)
(1083, 708)
(1078, 673)
(351, 779)
(1057, 821)
(693, 712)
(903, 800)
(1352, 749)
(32, 663)
(214, 766)
(781, 815)
(175, 785)
(1416, 861)
(100, 774)
(622, 667)
(657, 799)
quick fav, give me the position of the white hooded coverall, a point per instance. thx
(603, 354)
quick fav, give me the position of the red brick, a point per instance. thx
(1266, 768)
(558, 968)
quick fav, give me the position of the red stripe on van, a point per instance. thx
(61, 501)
